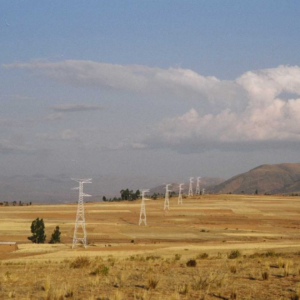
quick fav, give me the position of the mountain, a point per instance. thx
(280, 178)
(205, 182)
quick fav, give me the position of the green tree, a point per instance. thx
(38, 231)
(55, 238)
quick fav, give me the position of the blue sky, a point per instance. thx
(159, 90)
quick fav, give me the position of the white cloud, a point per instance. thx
(135, 78)
(257, 109)
(266, 120)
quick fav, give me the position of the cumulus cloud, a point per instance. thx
(268, 120)
(258, 109)
(75, 108)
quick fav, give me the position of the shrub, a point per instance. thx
(152, 257)
(202, 256)
(101, 270)
(80, 262)
(200, 284)
(271, 253)
(177, 256)
(191, 263)
(234, 254)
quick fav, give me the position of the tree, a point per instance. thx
(104, 199)
(38, 231)
(256, 192)
(55, 238)
(129, 194)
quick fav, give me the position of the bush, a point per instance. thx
(80, 262)
(191, 263)
(177, 256)
(202, 256)
(234, 254)
(271, 253)
(101, 270)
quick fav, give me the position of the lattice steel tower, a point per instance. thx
(143, 217)
(167, 197)
(191, 187)
(198, 186)
(80, 219)
(180, 193)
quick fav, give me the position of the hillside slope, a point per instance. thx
(280, 178)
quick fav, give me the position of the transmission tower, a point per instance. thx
(143, 217)
(180, 193)
(167, 196)
(198, 186)
(191, 187)
(80, 219)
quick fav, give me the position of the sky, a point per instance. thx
(148, 92)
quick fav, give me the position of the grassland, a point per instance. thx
(213, 247)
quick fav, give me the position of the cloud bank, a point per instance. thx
(269, 119)
(256, 110)
(133, 78)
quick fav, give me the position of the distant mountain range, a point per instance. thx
(272, 179)
(38, 188)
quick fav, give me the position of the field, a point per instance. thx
(210, 247)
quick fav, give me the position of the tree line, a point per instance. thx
(14, 203)
(130, 195)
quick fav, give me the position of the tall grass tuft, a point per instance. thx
(152, 283)
(80, 262)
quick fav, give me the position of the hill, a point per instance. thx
(280, 178)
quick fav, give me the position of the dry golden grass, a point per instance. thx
(143, 278)
(238, 247)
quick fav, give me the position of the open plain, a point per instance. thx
(210, 247)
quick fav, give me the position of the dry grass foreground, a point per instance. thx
(188, 252)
